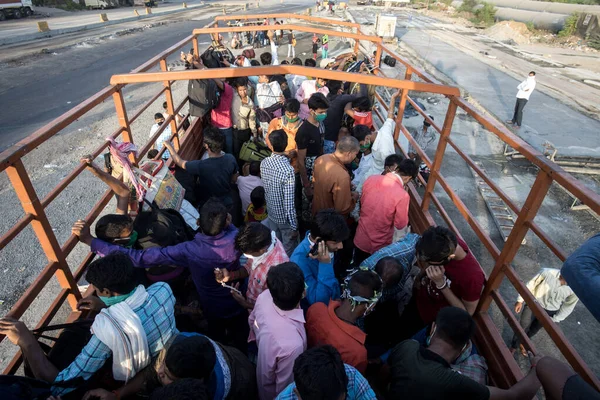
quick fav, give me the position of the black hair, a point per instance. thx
(159, 116)
(532, 73)
(309, 62)
(111, 226)
(318, 101)
(292, 106)
(362, 103)
(191, 357)
(364, 279)
(319, 374)
(240, 81)
(279, 140)
(165, 105)
(114, 272)
(286, 284)
(390, 268)
(360, 132)
(254, 63)
(213, 217)
(266, 58)
(454, 326)
(393, 159)
(257, 197)
(285, 62)
(214, 139)
(334, 87)
(436, 244)
(329, 225)
(426, 123)
(181, 389)
(254, 168)
(253, 237)
(408, 167)
(151, 155)
(296, 61)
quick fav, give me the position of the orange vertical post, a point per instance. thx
(534, 200)
(41, 227)
(170, 105)
(439, 154)
(402, 105)
(378, 55)
(195, 45)
(123, 120)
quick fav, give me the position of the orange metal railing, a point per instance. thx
(504, 369)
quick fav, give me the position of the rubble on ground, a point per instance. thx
(510, 31)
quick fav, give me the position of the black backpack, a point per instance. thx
(161, 228)
(204, 96)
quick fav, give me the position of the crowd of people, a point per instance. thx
(303, 280)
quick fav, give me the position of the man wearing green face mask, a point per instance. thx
(132, 320)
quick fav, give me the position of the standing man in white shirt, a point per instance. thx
(525, 89)
(554, 295)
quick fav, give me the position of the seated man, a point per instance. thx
(216, 173)
(262, 248)
(131, 320)
(384, 208)
(425, 373)
(165, 136)
(314, 255)
(582, 273)
(277, 324)
(213, 248)
(360, 111)
(247, 183)
(257, 210)
(336, 324)
(319, 373)
(224, 370)
(451, 277)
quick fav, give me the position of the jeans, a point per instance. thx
(328, 146)
(518, 116)
(285, 233)
(228, 132)
(530, 324)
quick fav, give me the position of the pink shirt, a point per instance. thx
(257, 280)
(281, 338)
(307, 89)
(383, 207)
(221, 116)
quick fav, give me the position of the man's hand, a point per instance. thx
(308, 191)
(323, 254)
(91, 303)
(226, 63)
(189, 58)
(222, 275)
(436, 274)
(81, 229)
(16, 331)
(518, 307)
(292, 153)
(88, 160)
(99, 394)
(169, 146)
(294, 234)
(355, 196)
(533, 360)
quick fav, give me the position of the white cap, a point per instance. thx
(326, 61)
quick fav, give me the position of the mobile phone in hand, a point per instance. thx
(314, 250)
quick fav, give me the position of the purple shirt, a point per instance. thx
(281, 338)
(201, 255)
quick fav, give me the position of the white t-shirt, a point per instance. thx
(246, 184)
(164, 136)
(526, 88)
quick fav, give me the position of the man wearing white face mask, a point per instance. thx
(263, 250)
(525, 89)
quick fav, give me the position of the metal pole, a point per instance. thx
(123, 120)
(402, 105)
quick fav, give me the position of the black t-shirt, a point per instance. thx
(420, 374)
(335, 113)
(309, 137)
(214, 177)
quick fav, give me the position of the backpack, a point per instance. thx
(204, 97)
(161, 228)
(213, 56)
(23, 388)
(254, 151)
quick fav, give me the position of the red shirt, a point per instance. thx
(383, 207)
(324, 327)
(467, 279)
(363, 118)
(221, 116)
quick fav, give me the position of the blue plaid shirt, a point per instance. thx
(279, 181)
(403, 251)
(358, 388)
(158, 319)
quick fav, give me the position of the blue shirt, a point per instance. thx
(201, 255)
(403, 251)
(358, 388)
(582, 272)
(158, 320)
(319, 277)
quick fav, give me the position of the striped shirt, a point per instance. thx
(158, 320)
(358, 388)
